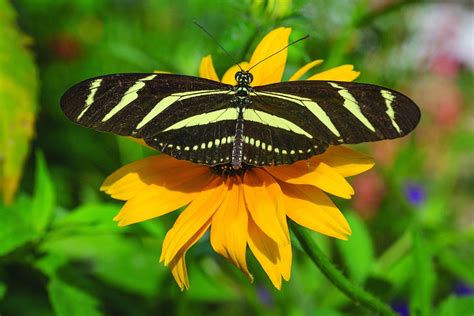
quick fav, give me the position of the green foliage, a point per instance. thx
(18, 89)
(68, 300)
(358, 251)
(61, 250)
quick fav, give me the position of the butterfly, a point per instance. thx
(239, 126)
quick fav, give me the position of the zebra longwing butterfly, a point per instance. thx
(241, 126)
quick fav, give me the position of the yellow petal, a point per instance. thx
(229, 226)
(313, 173)
(229, 76)
(192, 219)
(179, 271)
(262, 195)
(267, 253)
(310, 207)
(178, 264)
(345, 161)
(156, 200)
(303, 70)
(206, 69)
(127, 181)
(285, 260)
(341, 73)
(271, 70)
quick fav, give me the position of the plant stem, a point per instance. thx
(357, 294)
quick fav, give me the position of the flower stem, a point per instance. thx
(357, 294)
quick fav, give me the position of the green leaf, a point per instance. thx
(18, 92)
(71, 301)
(123, 262)
(129, 150)
(458, 266)
(50, 263)
(205, 287)
(15, 225)
(401, 272)
(357, 251)
(454, 306)
(424, 278)
(94, 214)
(3, 290)
(43, 198)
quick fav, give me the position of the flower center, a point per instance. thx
(229, 170)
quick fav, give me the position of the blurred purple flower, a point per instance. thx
(463, 289)
(265, 296)
(401, 308)
(415, 193)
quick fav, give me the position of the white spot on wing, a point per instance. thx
(129, 96)
(312, 106)
(90, 98)
(351, 104)
(389, 97)
(164, 103)
(274, 121)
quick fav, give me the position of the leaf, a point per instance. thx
(453, 261)
(205, 287)
(43, 198)
(71, 301)
(3, 290)
(129, 150)
(18, 92)
(456, 306)
(15, 225)
(357, 251)
(123, 262)
(94, 214)
(423, 280)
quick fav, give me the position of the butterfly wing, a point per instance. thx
(296, 120)
(172, 113)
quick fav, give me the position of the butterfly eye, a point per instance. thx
(249, 77)
(238, 76)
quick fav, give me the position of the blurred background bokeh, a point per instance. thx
(412, 216)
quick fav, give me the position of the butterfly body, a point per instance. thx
(236, 127)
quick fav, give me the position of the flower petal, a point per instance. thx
(127, 181)
(269, 254)
(341, 73)
(313, 173)
(345, 161)
(229, 76)
(303, 70)
(286, 257)
(178, 264)
(310, 207)
(157, 200)
(207, 70)
(192, 219)
(229, 226)
(262, 195)
(271, 70)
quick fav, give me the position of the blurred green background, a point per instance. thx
(412, 216)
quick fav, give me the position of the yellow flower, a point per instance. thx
(247, 210)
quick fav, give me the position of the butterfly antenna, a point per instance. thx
(294, 42)
(214, 39)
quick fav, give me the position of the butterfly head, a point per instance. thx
(243, 77)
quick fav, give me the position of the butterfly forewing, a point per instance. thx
(164, 109)
(340, 112)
